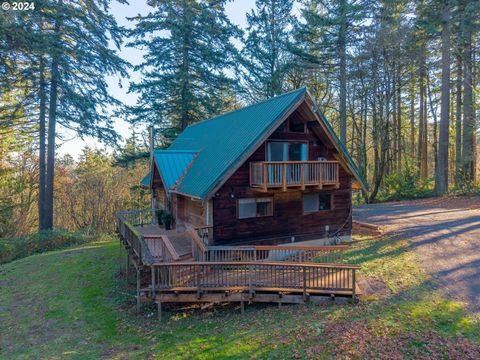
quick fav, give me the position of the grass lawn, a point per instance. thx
(73, 304)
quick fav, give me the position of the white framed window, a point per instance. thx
(316, 202)
(255, 207)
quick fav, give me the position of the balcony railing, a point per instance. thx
(285, 174)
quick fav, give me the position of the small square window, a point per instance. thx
(317, 202)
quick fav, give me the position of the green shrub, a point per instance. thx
(168, 219)
(405, 185)
(160, 214)
(19, 247)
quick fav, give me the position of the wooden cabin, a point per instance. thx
(269, 173)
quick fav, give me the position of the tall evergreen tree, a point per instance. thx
(322, 38)
(442, 179)
(265, 59)
(62, 54)
(184, 72)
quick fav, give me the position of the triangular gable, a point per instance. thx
(171, 165)
(227, 141)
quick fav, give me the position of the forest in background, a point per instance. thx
(397, 79)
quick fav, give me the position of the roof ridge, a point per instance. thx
(180, 178)
(246, 107)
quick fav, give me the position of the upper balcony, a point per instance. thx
(267, 175)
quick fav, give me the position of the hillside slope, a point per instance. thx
(73, 304)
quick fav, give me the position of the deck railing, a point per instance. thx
(301, 254)
(284, 174)
(139, 217)
(205, 233)
(133, 238)
(253, 276)
(198, 247)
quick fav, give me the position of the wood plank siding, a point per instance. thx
(188, 211)
(288, 217)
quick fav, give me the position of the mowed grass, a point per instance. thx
(73, 304)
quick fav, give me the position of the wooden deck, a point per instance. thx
(180, 267)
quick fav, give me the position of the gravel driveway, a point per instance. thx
(445, 232)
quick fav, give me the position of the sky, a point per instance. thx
(236, 11)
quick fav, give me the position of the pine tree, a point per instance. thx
(326, 30)
(265, 59)
(60, 56)
(184, 73)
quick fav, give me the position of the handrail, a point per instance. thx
(277, 263)
(139, 217)
(265, 174)
(293, 247)
(297, 254)
(134, 239)
(205, 233)
(254, 276)
(170, 250)
(198, 247)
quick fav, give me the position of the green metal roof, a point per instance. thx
(146, 181)
(172, 164)
(223, 140)
(200, 158)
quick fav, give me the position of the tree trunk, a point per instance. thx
(442, 175)
(468, 115)
(399, 121)
(422, 130)
(458, 122)
(42, 149)
(52, 122)
(412, 117)
(342, 52)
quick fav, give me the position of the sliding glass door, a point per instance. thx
(285, 151)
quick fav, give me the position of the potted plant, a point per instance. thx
(160, 214)
(168, 220)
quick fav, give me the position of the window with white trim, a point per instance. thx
(316, 202)
(255, 207)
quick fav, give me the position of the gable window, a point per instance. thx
(297, 127)
(255, 207)
(317, 202)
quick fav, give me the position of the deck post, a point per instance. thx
(127, 268)
(320, 170)
(302, 175)
(337, 184)
(265, 170)
(284, 182)
(242, 307)
(304, 283)
(153, 282)
(250, 286)
(159, 310)
(353, 285)
(138, 290)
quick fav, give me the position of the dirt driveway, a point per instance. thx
(446, 235)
